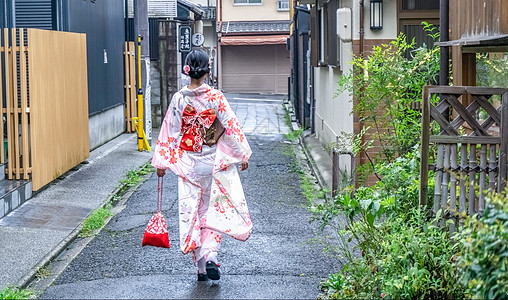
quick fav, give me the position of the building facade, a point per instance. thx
(339, 30)
(252, 54)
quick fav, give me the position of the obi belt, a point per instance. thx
(194, 127)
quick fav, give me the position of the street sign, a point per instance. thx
(185, 39)
(198, 39)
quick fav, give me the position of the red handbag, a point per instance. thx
(156, 233)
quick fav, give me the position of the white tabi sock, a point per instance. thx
(202, 265)
(212, 256)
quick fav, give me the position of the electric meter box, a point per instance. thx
(344, 26)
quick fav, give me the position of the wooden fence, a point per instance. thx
(472, 147)
(130, 85)
(46, 103)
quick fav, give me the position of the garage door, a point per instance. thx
(255, 69)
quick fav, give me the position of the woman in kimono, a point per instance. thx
(201, 141)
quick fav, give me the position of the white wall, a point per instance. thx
(389, 31)
(333, 114)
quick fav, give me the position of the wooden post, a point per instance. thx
(492, 166)
(14, 104)
(424, 159)
(127, 87)
(335, 171)
(483, 178)
(24, 106)
(472, 179)
(453, 186)
(8, 100)
(503, 148)
(446, 175)
(462, 183)
(439, 177)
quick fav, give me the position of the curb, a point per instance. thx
(310, 160)
(312, 164)
(29, 277)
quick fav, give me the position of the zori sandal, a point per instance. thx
(202, 277)
(212, 270)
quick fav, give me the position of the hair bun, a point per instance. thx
(198, 63)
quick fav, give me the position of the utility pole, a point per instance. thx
(141, 28)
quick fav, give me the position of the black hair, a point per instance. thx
(198, 62)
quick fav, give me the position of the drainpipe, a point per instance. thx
(219, 49)
(444, 64)
(362, 29)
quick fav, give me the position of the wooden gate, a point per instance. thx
(46, 103)
(472, 147)
(130, 86)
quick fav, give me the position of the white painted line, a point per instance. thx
(118, 145)
(260, 100)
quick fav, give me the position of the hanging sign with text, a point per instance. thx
(185, 39)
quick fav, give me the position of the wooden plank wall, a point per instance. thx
(15, 111)
(130, 85)
(478, 18)
(58, 103)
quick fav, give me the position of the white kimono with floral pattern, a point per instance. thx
(211, 202)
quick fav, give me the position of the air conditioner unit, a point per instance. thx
(344, 26)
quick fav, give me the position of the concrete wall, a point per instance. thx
(106, 125)
(267, 10)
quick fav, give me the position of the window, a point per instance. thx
(420, 4)
(283, 5)
(247, 2)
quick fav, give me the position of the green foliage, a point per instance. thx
(491, 70)
(484, 257)
(133, 177)
(294, 135)
(15, 293)
(95, 221)
(403, 258)
(386, 85)
(403, 255)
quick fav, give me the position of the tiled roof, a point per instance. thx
(254, 27)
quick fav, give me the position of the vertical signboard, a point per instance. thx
(185, 39)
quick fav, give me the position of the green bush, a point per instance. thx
(483, 261)
(15, 293)
(403, 255)
(406, 258)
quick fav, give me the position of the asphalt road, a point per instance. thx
(279, 261)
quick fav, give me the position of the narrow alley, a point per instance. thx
(278, 261)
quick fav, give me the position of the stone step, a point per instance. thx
(13, 193)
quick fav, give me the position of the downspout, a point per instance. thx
(360, 53)
(219, 49)
(362, 29)
(444, 64)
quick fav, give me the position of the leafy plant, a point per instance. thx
(15, 293)
(95, 221)
(294, 135)
(483, 261)
(386, 86)
(407, 258)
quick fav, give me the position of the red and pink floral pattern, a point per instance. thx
(225, 210)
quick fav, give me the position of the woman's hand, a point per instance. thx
(244, 166)
(161, 172)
